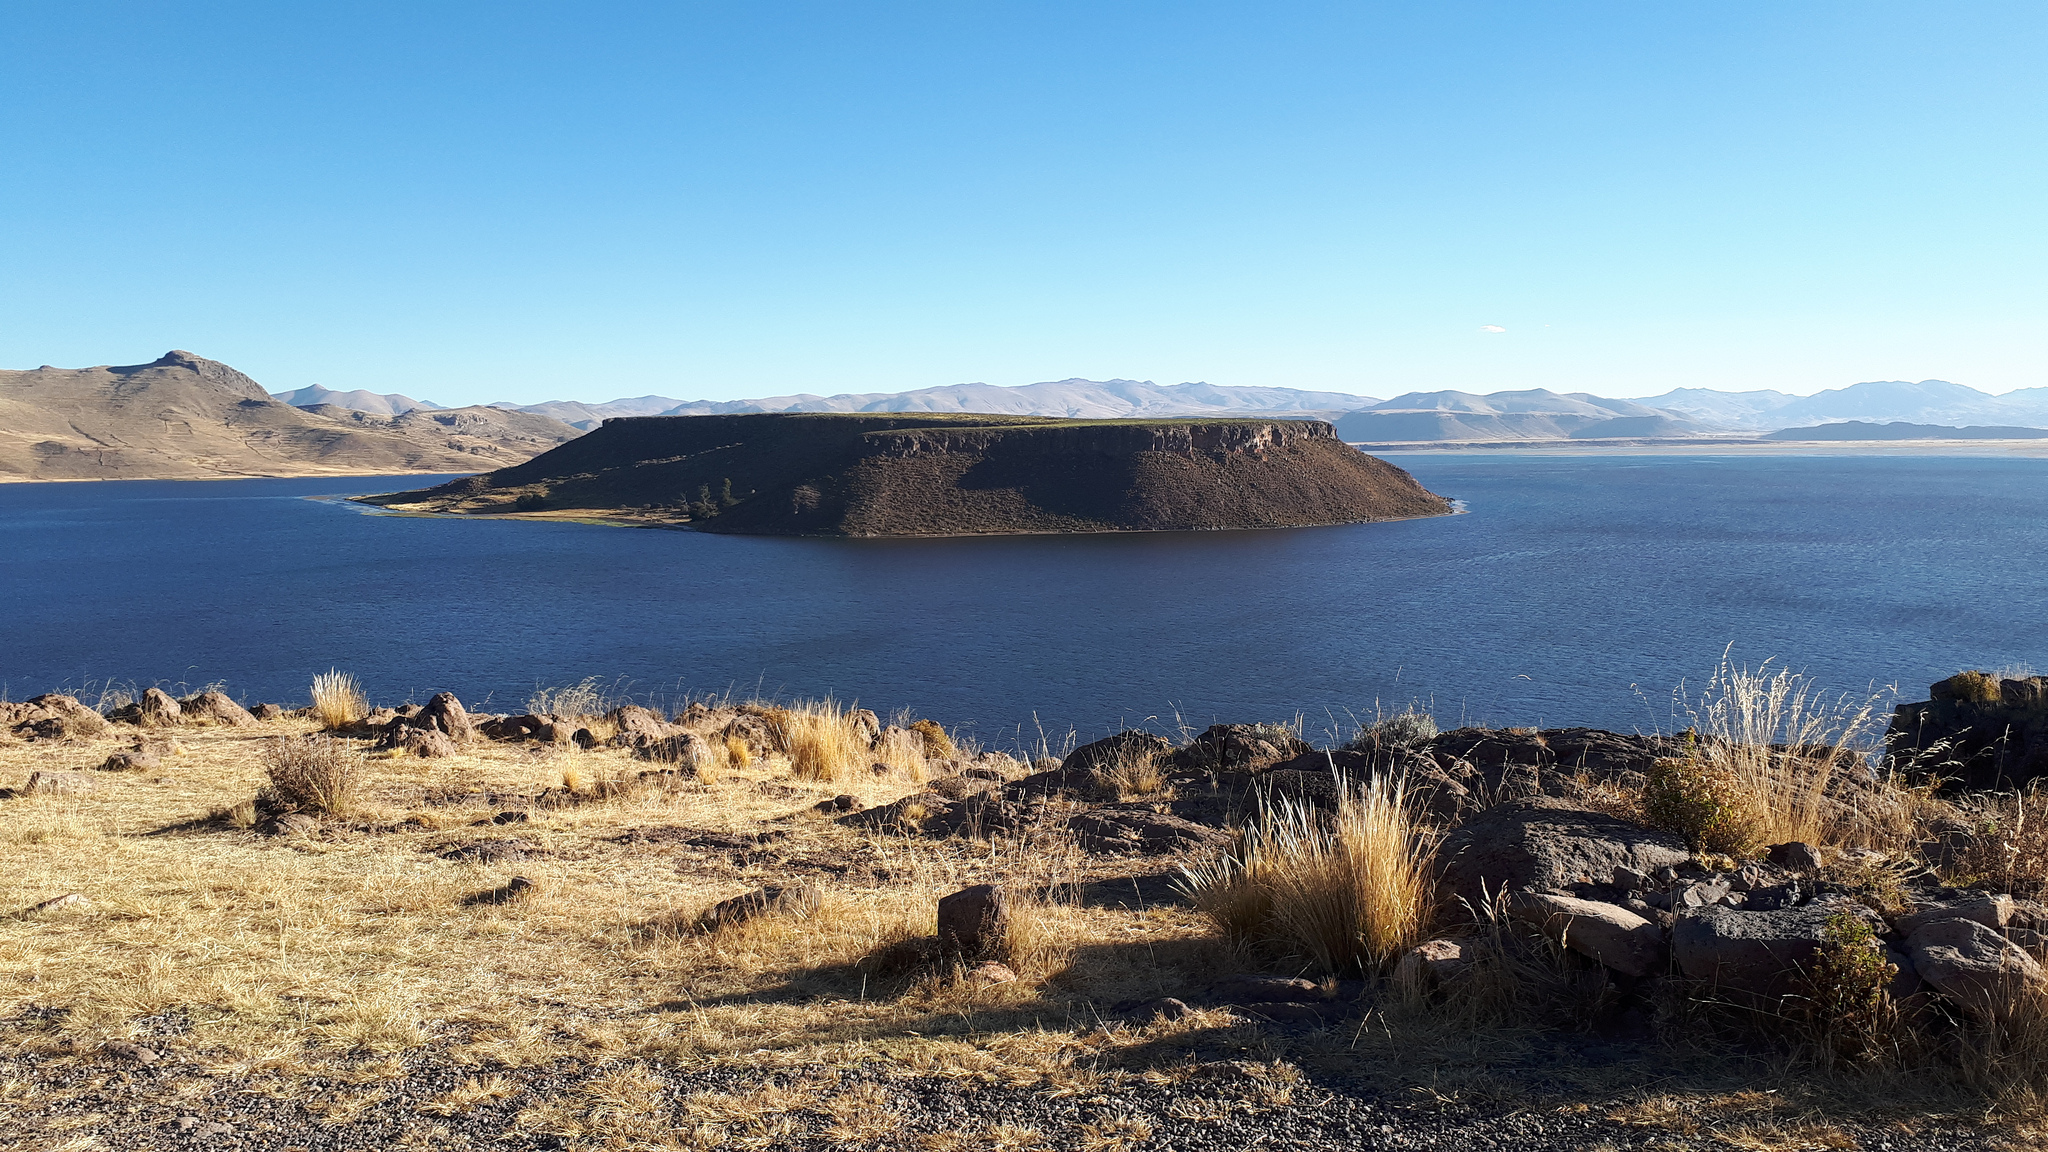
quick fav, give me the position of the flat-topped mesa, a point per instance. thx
(1097, 438)
(926, 474)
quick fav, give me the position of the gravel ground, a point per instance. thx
(107, 1101)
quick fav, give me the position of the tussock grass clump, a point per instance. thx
(314, 774)
(338, 700)
(1133, 774)
(1766, 748)
(585, 699)
(1405, 729)
(822, 739)
(1348, 892)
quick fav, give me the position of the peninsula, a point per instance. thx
(923, 474)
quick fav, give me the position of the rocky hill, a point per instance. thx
(183, 417)
(360, 399)
(939, 475)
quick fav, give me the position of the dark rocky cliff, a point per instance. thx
(940, 475)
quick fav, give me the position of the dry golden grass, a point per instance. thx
(338, 700)
(352, 956)
(822, 740)
(315, 774)
(1348, 892)
(1131, 775)
(1768, 746)
(280, 950)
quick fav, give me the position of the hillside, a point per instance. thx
(935, 475)
(1900, 430)
(183, 417)
(359, 399)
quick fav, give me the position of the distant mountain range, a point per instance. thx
(1900, 430)
(183, 417)
(1535, 413)
(379, 403)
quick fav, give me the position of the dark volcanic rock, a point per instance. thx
(1241, 748)
(1135, 828)
(435, 730)
(1975, 732)
(972, 921)
(932, 474)
(215, 707)
(639, 727)
(156, 708)
(1545, 845)
(1759, 953)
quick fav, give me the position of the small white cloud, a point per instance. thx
(1491, 328)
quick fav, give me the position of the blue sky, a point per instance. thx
(519, 201)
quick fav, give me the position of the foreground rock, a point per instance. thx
(52, 716)
(1759, 953)
(439, 729)
(1977, 968)
(1610, 935)
(1553, 846)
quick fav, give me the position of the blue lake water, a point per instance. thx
(1575, 590)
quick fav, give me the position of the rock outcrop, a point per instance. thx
(942, 475)
(1974, 731)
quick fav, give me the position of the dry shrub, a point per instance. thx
(1976, 687)
(937, 744)
(1038, 937)
(2007, 844)
(1348, 891)
(2006, 1057)
(1767, 745)
(1523, 975)
(315, 774)
(822, 739)
(338, 700)
(738, 753)
(902, 753)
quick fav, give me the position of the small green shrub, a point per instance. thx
(1701, 802)
(1848, 1006)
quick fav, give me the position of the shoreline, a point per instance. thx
(1731, 447)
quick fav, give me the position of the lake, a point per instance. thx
(1574, 590)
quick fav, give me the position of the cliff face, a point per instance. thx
(184, 417)
(930, 475)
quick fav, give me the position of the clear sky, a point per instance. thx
(521, 201)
